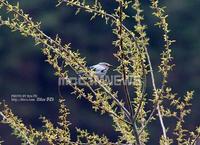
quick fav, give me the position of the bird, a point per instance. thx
(101, 68)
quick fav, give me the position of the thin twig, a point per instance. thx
(161, 122)
(155, 90)
(195, 140)
(138, 109)
(147, 121)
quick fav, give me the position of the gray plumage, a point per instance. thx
(101, 68)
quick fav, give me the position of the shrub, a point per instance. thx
(129, 114)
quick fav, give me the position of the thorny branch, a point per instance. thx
(24, 135)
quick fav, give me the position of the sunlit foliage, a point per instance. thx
(130, 117)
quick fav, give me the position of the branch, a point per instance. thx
(155, 90)
(147, 121)
(24, 135)
(101, 13)
(195, 140)
(127, 95)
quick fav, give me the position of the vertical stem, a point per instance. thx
(154, 88)
(161, 122)
(127, 95)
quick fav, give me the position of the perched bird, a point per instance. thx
(101, 68)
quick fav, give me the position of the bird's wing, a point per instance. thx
(100, 70)
(97, 68)
(93, 67)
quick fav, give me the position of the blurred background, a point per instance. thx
(23, 70)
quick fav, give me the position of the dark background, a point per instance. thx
(23, 70)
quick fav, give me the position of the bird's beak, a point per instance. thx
(110, 65)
